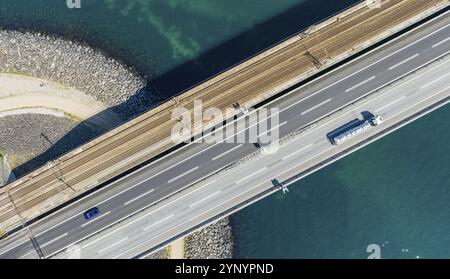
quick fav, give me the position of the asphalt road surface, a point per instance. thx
(181, 169)
(221, 192)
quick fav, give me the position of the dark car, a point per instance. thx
(91, 213)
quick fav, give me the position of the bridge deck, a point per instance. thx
(247, 83)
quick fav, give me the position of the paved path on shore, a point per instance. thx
(21, 94)
(177, 249)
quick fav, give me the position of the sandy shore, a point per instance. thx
(38, 96)
(75, 66)
(176, 249)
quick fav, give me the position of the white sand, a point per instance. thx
(21, 94)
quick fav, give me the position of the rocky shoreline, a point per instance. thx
(44, 138)
(212, 242)
(77, 66)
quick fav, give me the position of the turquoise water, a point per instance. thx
(394, 192)
(175, 43)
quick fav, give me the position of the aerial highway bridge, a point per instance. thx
(189, 187)
(144, 138)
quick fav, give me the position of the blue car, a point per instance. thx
(91, 213)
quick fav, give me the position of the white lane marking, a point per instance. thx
(421, 101)
(222, 203)
(359, 84)
(316, 106)
(295, 103)
(80, 213)
(248, 176)
(227, 152)
(204, 199)
(65, 220)
(296, 152)
(20, 244)
(391, 103)
(183, 174)
(250, 189)
(270, 130)
(211, 182)
(112, 245)
(403, 62)
(159, 222)
(138, 197)
(411, 44)
(434, 81)
(207, 211)
(441, 42)
(95, 219)
(378, 61)
(406, 82)
(277, 126)
(54, 240)
(146, 215)
(189, 220)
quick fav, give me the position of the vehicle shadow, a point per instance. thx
(187, 75)
(366, 115)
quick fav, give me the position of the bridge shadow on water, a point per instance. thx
(187, 75)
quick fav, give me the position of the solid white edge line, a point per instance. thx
(228, 200)
(346, 64)
(391, 89)
(397, 39)
(145, 215)
(158, 209)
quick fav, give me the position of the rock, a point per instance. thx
(160, 254)
(212, 242)
(76, 66)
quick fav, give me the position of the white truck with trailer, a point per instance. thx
(361, 128)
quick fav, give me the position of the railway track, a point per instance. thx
(267, 63)
(68, 175)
